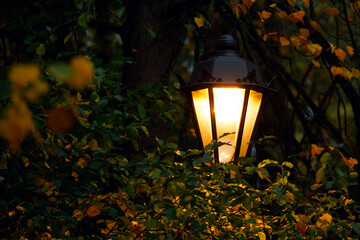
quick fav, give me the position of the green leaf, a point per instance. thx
(170, 213)
(83, 20)
(61, 72)
(155, 173)
(152, 223)
(114, 213)
(325, 158)
(40, 50)
(53, 37)
(356, 227)
(151, 32)
(141, 111)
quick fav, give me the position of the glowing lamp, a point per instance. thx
(226, 92)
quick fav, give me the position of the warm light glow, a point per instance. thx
(202, 110)
(228, 105)
(250, 119)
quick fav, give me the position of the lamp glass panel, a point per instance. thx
(252, 112)
(228, 105)
(202, 111)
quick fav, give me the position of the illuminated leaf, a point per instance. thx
(267, 35)
(272, 5)
(82, 72)
(341, 54)
(336, 70)
(297, 16)
(93, 211)
(332, 11)
(265, 15)
(316, 63)
(262, 236)
(350, 162)
(21, 75)
(315, 150)
(282, 14)
(284, 41)
(305, 32)
(235, 10)
(200, 21)
(315, 49)
(248, 3)
(67, 37)
(350, 50)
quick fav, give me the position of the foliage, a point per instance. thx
(82, 154)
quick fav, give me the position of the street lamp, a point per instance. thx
(226, 92)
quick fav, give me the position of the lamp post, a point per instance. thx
(226, 92)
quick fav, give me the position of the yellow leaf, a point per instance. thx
(340, 54)
(282, 14)
(305, 32)
(265, 15)
(67, 37)
(83, 71)
(200, 21)
(326, 217)
(350, 50)
(332, 11)
(21, 75)
(262, 236)
(315, 49)
(243, 8)
(272, 5)
(316, 63)
(292, 2)
(284, 41)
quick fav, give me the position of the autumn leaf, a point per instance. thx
(355, 72)
(350, 162)
(82, 70)
(234, 8)
(315, 150)
(262, 236)
(314, 25)
(243, 8)
(300, 225)
(306, 2)
(248, 3)
(305, 32)
(284, 41)
(336, 70)
(93, 211)
(267, 35)
(282, 14)
(316, 63)
(315, 49)
(341, 54)
(265, 15)
(60, 119)
(332, 11)
(23, 74)
(350, 50)
(200, 21)
(297, 16)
